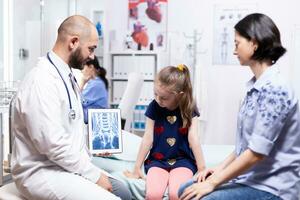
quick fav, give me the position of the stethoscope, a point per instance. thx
(72, 114)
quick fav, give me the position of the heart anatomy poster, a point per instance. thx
(147, 24)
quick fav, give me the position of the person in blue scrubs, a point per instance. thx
(94, 87)
(266, 161)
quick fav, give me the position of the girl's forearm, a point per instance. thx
(146, 143)
(194, 142)
(198, 154)
(143, 151)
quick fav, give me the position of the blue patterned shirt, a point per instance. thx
(269, 124)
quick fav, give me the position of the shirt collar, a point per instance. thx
(262, 80)
(63, 67)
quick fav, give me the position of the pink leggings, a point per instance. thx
(158, 179)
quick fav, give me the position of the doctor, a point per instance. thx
(50, 159)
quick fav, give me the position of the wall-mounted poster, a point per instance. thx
(147, 24)
(225, 17)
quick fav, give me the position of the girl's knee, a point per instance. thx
(154, 196)
(173, 195)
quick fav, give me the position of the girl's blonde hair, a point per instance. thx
(177, 80)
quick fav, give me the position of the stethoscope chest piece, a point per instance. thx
(72, 114)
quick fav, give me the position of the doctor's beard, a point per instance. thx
(76, 60)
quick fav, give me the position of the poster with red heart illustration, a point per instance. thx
(147, 24)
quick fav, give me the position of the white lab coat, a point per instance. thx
(50, 159)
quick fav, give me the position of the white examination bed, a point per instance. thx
(213, 154)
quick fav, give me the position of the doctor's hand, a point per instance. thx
(106, 154)
(197, 190)
(104, 182)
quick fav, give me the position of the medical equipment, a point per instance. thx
(72, 114)
(8, 89)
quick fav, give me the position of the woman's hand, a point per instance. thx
(197, 190)
(138, 174)
(205, 174)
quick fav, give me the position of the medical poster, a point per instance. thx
(147, 24)
(225, 18)
(104, 131)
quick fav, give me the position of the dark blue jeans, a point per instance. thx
(233, 191)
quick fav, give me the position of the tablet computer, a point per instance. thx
(105, 135)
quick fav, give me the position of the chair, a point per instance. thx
(130, 98)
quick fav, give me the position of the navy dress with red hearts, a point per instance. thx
(170, 140)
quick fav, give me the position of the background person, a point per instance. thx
(94, 87)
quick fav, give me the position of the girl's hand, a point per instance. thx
(138, 174)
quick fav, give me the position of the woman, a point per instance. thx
(94, 87)
(266, 160)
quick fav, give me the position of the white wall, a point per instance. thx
(1, 41)
(220, 88)
(224, 85)
(23, 15)
(31, 22)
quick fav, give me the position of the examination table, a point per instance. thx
(213, 154)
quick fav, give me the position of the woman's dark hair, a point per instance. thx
(261, 29)
(101, 72)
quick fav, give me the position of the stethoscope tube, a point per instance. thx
(72, 114)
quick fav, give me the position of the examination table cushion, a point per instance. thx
(213, 154)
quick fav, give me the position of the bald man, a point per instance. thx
(50, 159)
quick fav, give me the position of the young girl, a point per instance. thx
(170, 135)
